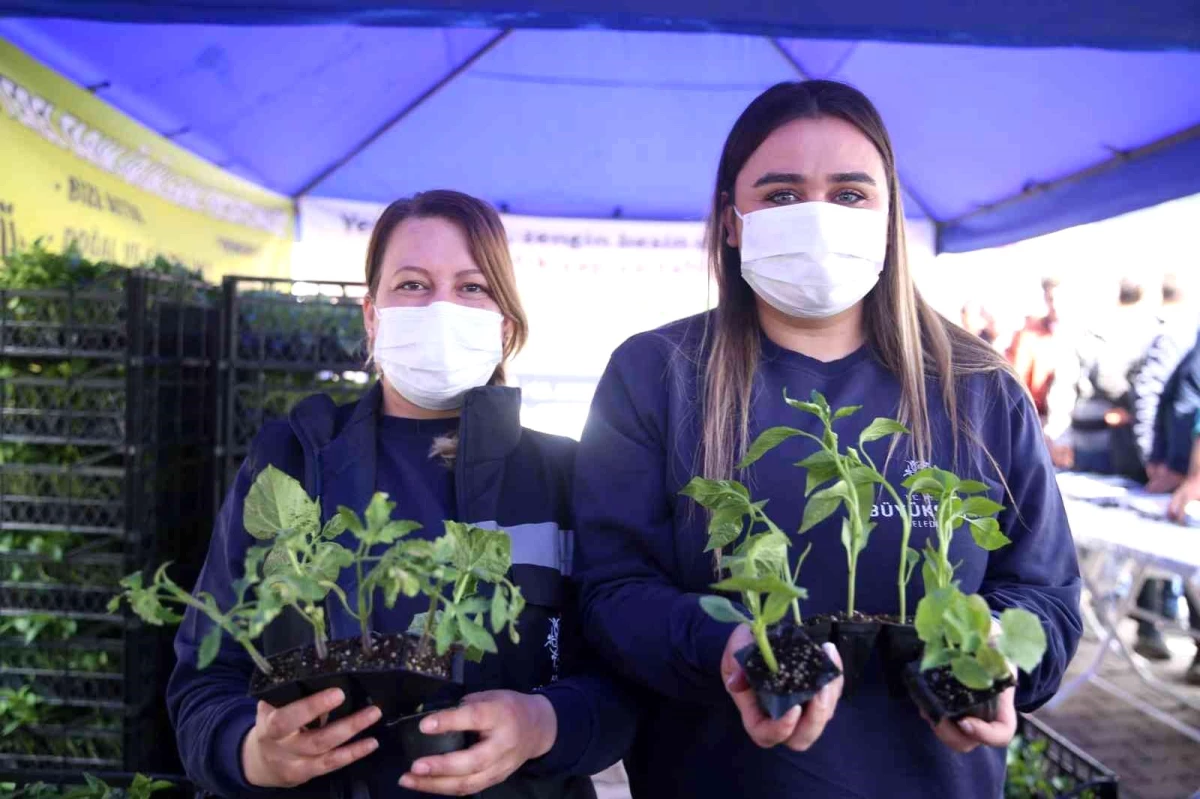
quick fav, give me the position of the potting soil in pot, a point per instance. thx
(948, 698)
(804, 669)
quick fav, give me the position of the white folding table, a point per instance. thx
(1115, 541)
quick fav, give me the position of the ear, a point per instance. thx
(369, 321)
(730, 222)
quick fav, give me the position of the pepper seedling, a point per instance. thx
(956, 629)
(758, 568)
(853, 475)
(959, 502)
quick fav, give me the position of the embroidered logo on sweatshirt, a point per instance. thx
(552, 645)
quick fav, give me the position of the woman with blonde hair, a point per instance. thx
(806, 239)
(441, 434)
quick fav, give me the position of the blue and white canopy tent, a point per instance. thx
(1012, 118)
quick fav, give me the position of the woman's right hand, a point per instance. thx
(279, 752)
(801, 727)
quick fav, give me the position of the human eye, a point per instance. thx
(849, 197)
(784, 197)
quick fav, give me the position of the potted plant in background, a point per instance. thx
(784, 666)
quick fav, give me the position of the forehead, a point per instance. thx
(814, 148)
(434, 244)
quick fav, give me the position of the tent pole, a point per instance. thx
(1120, 157)
(408, 109)
(804, 75)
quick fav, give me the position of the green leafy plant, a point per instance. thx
(957, 629)
(1028, 773)
(758, 568)
(19, 707)
(849, 479)
(463, 558)
(33, 626)
(959, 502)
(142, 787)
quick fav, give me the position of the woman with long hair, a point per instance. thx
(441, 434)
(806, 240)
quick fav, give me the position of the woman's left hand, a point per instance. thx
(967, 734)
(512, 728)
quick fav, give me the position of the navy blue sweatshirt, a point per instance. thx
(641, 564)
(503, 475)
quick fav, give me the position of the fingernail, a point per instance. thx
(830, 650)
(429, 725)
(374, 714)
(372, 745)
(793, 715)
(967, 727)
(420, 769)
(335, 697)
(408, 782)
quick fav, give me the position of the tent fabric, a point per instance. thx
(1111, 24)
(994, 144)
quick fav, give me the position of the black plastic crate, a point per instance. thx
(1064, 759)
(63, 779)
(281, 341)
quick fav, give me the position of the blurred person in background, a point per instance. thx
(1177, 331)
(978, 320)
(1102, 438)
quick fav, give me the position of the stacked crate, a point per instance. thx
(106, 452)
(282, 340)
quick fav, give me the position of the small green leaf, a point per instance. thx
(335, 526)
(776, 607)
(881, 427)
(351, 522)
(277, 502)
(979, 615)
(475, 636)
(820, 467)
(447, 632)
(969, 486)
(767, 441)
(763, 554)
(724, 527)
(800, 405)
(987, 535)
(722, 610)
(379, 511)
(968, 672)
(935, 655)
(911, 559)
(762, 585)
(849, 410)
(1022, 639)
(993, 662)
(716, 493)
(499, 612)
(822, 504)
(393, 531)
(930, 611)
(982, 506)
(210, 646)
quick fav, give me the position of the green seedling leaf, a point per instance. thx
(987, 535)
(911, 559)
(881, 427)
(968, 672)
(821, 505)
(762, 554)
(277, 502)
(979, 615)
(1022, 639)
(981, 506)
(767, 441)
(930, 611)
(936, 655)
(335, 526)
(394, 531)
(849, 410)
(351, 522)
(821, 467)
(476, 636)
(725, 527)
(499, 612)
(762, 585)
(379, 511)
(993, 662)
(807, 407)
(447, 632)
(722, 610)
(777, 606)
(210, 646)
(969, 486)
(716, 493)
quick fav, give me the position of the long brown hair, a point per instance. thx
(488, 245)
(906, 335)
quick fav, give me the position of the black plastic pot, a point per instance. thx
(819, 629)
(776, 705)
(415, 744)
(984, 708)
(394, 691)
(855, 640)
(898, 646)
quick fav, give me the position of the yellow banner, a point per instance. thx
(75, 170)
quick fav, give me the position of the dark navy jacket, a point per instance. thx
(1176, 418)
(504, 475)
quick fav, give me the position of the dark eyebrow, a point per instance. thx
(779, 177)
(852, 177)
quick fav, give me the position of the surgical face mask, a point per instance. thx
(812, 260)
(434, 354)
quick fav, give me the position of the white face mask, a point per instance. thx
(434, 354)
(812, 260)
